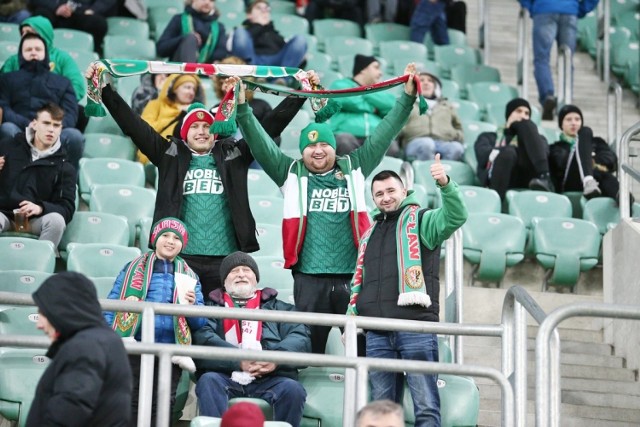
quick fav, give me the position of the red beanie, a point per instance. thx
(196, 113)
(243, 414)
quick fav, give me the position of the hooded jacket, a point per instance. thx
(275, 337)
(60, 63)
(266, 39)
(88, 381)
(48, 181)
(24, 91)
(441, 122)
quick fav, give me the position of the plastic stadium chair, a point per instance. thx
(428, 66)
(587, 28)
(551, 135)
(7, 49)
(201, 421)
(20, 253)
(121, 26)
(466, 74)
(323, 28)
(267, 210)
(480, 199)
(467, 110)
(456, 38)
(491, 243)
(469, 157)
(21, 281)
(404, 50)
(129, 47)
(329, 76)
(270, 240)
(289, 25)
(159, 17)
(450, 89)
(603, 212)
(290, 139)
(83, 58)
(9, 32)
(565, 247)
(318, 61)
(95, 227)
(577, 201)
(528, 204)
(108, 145)
(106, 170)
(20, 371)
(239, 7)
(66, 38)
(19, 320)
(386, 31)
(459, 401)
(104, 124)
(473, 129)
(325, 389)
(279, 7)
(450, 55)
(99, 259)
(338, 46)
(127, 85)
(103, 285)
(145, 232)
(130, 201)
(232, 19)
(622, 54)
(460, 172)
(484, 93)
(260, 184)
(273, 274)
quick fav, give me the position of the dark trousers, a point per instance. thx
(176, 372)
(208, 270)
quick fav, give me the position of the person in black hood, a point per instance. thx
(88, 382)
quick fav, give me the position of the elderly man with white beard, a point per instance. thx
(221, 380)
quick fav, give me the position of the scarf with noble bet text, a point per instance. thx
(135, 286)
(250, 331)
(411, 284)
(117, 68)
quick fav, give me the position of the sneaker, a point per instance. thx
(548, 106)
(591, 189)
(541, 184)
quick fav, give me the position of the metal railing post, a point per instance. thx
(352, 397)
(522, 55)
(163, 417)
(146, 369)
(485, 34)
(623, 176)
(459, 286)
(614, 113)
(565, 75)
(606, 60)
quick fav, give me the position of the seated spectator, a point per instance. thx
(360, 115)
(380, 413)
(23, 91)
(516, 155)
(161, 276)
(13, 11)
(221, 380)
(429, 16)
(150, 85)
(571, 159)
(195, 35)
(89, 16)
(341, 9)
(258, 42)
(39, 198)
(376, 12)
(60, 61)
(437, 131)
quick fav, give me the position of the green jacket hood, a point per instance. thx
(411, 199)
(42, 26)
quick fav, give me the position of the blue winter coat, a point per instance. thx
(567, 7)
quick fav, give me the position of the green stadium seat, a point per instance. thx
(484, 93)
(232, 19)
(629, 20)
(9, 32)
(577, 200)
(129, 47)
(473, 129)
(318, 61)
(273, 274)
(565, 247)
(104, 124)
(280, 7)
(338, 46)
(450, 56)
(19, 320)
(467, 110)
(529, 204)
(145, 232)
(106, 170)
(325, 389)
(329, 76)
(95, 227)
(270, 240)
(456, 38)
(587, 28)
(21, 253)
(126, 86)
(469, 157)
(267, 210)
(491, 243)
(21, 281)
(130, 201)
(103, 285)
(450, 89)
(404, 50)
(428, 66)
(290, 139)
(20, 372)
(83, 58)
(460, 172)
(603, 212)
(238, 6)
(99, 259)
(632, 75)
(480, 199)
(622, 54)
(260, 184)
(159, 17)
(7, 49)
(551, 135)
(99, 145)
(323, 28)
(312, 42)
(385, 32)
(466, 74)
(68, 39)
(121, 26)
(290, 25)
(178, 4)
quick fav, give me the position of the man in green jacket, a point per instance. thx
(359, 116)
(325, 213)
(61, 62)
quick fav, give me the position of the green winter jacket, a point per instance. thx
(360, 115)
(61, 62)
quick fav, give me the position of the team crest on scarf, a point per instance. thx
(413, 277)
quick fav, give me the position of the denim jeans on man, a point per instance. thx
(285, 395)
(429, 16)
(547, 28)
(423, 387)
(291, 54)
(425, 148)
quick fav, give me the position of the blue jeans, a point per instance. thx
(425, 148)
(17, 17)
(71, 139)
(285, 395)
(423, 387)
(431, 17)
(291, 54)
(547, 28)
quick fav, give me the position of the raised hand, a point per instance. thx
(410, 86)
(438, 173)
(232, 81)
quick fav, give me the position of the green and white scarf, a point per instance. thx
(411, 282)
(135, 286)
(210, 44)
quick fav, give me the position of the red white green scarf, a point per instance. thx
(411, 282)
(135, 286)
(250, 331)
(206, 51)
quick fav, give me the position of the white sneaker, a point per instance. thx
(591, 189)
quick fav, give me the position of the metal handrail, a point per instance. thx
(565, 75)
(483, 31)
(603, 48)
(624, 169)
(614, 113)
(547, 375)
(522, 55)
